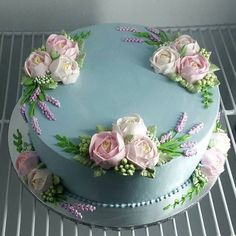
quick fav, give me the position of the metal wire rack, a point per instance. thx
(21, 214)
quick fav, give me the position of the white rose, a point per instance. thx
(220, 141)
(64, 69)
(187, 43)
(163, 60)
(130, 125)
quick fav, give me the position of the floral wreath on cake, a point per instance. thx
(57, 62)
(181, 59)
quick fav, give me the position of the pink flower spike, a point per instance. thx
(23, 113)
(153, 30)
(133, 40)
(181, 122)
(166, 137)
(188, 144)
(46, 111)
(126, 29)
(190, 152)
(196, 128)
(35, 125)
(35, 94)
(53, 101)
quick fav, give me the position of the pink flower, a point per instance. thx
(188, 44)
(107, 149)
(64, 69)
(39, 180)
(37, 64)
(62, 45)
(212, 163)
(25, 162)
(142, 152)
(192, 68)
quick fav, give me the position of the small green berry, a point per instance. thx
(124, 161)
(123, 170)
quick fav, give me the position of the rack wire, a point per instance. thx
(22, 215)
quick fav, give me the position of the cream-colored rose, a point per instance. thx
(220, 141)
(163, 60)
(64, 69)
(130, 125)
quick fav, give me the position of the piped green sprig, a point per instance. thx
(21, 146)
(68, 146)
(125, 168)
(199, 181)
(149, 173)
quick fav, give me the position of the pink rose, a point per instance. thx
(62, 45)
(142, 152)
(64, 69)
(37, 63)
(188, 44)
(107, 149)
(212, 163)
(192, 68)
(25, 162)
(39, 180)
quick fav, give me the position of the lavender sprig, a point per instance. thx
(23, 113)
(53, 101)
(35, 94)
(152, 30)
(35, 125)
(155, 37)
(196, 128)
(190, 152)
(126, 29)
(133, 40)
(188, 144)
(46, 111)
(166, 137)
(181, 122)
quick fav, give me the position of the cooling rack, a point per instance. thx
(22, 215)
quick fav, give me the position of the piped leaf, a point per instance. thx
(81, 59)
(213, 68)
(152, 129)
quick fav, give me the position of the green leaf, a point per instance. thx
(175, 77)
(213, 68)
(142, 34)
(56, 180)
(54, 55)
(32, 109)
(152, 130)
(81, 59)
(27, 93)
(152, 43)
(42, 96)
(128, 138)
(26, 80)
(81, 44)
(183, 51)
(68, 146)
(83, 160)
(163, 36)
(167, 207)
(98, 171)
(216, 82)
(41, 165)
(59, 189)
(101, 128)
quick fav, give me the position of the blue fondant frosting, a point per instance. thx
(116, 81)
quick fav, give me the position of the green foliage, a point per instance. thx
(101, 128)
(21, 146)
(149, 173)
(206, 96)
(125, 168)
(128, 138)
(80, 59)
(65, 143)
(152, 129)
(199, 181)
(84, 160)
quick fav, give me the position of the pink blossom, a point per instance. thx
(62, 45)
(25, 162)
(142, 152)
(107, 149)
(192, 68)
(37, 64)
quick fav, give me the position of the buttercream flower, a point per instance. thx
(212, 163)
(192, 68)
(25, 162)
(164, 60)
(187, 43)
(62, 45)
(220, 141)
(130, 125)
(39, 180)
(107, 149)
(142, 152)
(37, 63)
(64, 69)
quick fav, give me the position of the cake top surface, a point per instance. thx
(117, 80)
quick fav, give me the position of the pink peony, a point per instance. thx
(192, 68)
(39, 180)
(37, 64)
(142, 152)
(62, 45)
(212, 163)
(25, 162)
(107, 149)
(187, 43)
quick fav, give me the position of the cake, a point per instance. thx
(119, 132)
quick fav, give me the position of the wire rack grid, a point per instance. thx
(22, 215)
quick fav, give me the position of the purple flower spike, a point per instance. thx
(35, 125)
(133, 40)
(166, 137)
(190, 152)
(23, 113)
(53, 101)
(35, 94)
(46, 111)
(153, 30)
(196, 128)
(155, 37)
(188, 144)
(181, 122)
(126, 29)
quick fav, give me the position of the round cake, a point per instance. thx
(127, 91)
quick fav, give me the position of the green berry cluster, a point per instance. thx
(53, 194)
(43, 79)
(198, 177)
(205, 53)
(208, 80)
(84, 145)
(125, 168)
(153, 138)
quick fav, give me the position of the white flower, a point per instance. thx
(64, 69)
(163, 60)
(220, 141)
(130, 125)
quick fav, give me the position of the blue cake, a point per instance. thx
(120, 96)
